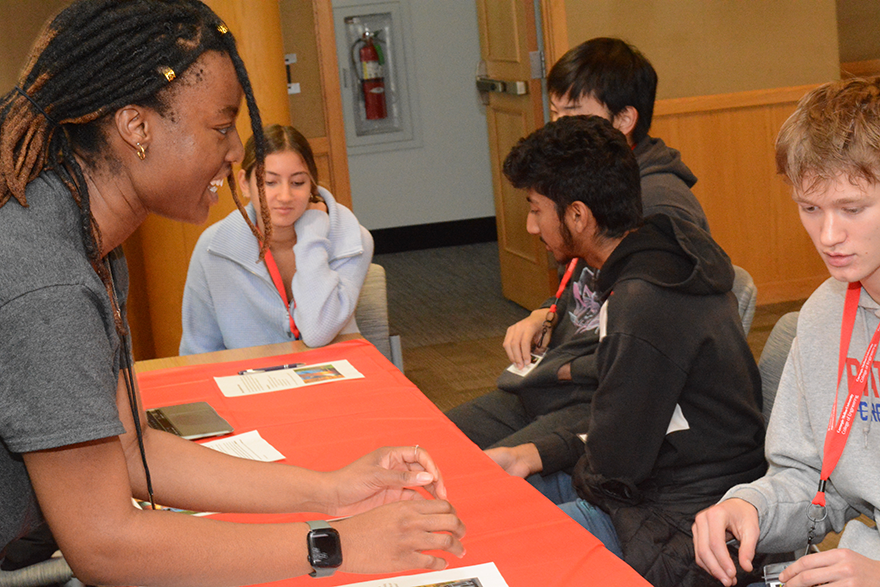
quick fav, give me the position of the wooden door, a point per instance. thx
(508, 33)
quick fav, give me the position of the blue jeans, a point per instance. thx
(597, 522)
(558, 489)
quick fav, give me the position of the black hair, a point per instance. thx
(613, 72)
(93, 58)
(581, 158)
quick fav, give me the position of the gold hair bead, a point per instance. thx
(222, 28)
(167, 72)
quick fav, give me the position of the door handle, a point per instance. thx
(517, 88)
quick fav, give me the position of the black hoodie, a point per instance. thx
(676, 418)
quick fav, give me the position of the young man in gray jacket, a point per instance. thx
(829, 151)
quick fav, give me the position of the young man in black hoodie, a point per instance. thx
(612, 79)
(675, 420)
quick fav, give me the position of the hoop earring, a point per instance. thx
(141, 152)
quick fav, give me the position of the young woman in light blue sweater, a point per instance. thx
(308, 284)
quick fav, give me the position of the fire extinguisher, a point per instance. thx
(372, 77)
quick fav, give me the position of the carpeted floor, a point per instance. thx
(447, 307)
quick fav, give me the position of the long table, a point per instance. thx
(326, 426)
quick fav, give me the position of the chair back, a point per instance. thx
(371, 315)
(746, 293)
(773, 358)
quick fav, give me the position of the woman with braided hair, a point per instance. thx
(126, 108)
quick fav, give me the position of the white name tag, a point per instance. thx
(536, 359)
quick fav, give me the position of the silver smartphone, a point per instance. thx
(190, 421)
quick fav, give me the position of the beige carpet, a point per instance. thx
(451, 373)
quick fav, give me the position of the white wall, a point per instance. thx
(448, 177)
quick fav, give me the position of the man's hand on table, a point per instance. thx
(520, 461)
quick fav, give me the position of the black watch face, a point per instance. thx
(324, 548)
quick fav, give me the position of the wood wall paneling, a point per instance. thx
(867, 68)
(707, 47)
(728, 142)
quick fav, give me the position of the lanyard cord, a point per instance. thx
(839, 429)
(551, 312)
(125, 365)
(272, 266)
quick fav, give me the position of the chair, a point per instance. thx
(746, 293)
(54, 571)
(773, 358)
(371, 316)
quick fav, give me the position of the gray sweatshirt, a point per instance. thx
(796, 434)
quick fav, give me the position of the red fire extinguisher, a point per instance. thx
(373, 78)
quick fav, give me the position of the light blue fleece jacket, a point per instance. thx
(796, 434)
(229, 300)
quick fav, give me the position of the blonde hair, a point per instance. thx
(834, 130)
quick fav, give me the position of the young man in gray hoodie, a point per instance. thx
(829, 151)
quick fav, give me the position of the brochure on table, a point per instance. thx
(485, 575)
(276, 380)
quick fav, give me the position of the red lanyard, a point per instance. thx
(565, 278)
(839, 429)
(279, 285)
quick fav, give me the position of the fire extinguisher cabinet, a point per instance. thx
(375, 77)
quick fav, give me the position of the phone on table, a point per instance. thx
(191, 421)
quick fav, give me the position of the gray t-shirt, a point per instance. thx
(59, 351)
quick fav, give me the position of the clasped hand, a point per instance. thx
(395, 524)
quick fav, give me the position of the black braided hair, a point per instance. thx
(93, 58)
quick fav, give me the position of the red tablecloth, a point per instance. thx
(327, 426)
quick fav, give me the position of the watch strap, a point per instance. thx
(318, 524)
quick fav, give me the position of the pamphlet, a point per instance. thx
(278, 379)
(249, 445)
(485, 575)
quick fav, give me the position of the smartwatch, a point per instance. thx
(325, 550)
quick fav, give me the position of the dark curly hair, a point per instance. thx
(93, 58)
(581, 158)
(613, 72)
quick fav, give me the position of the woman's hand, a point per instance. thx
(394, 537)
(383, 476)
